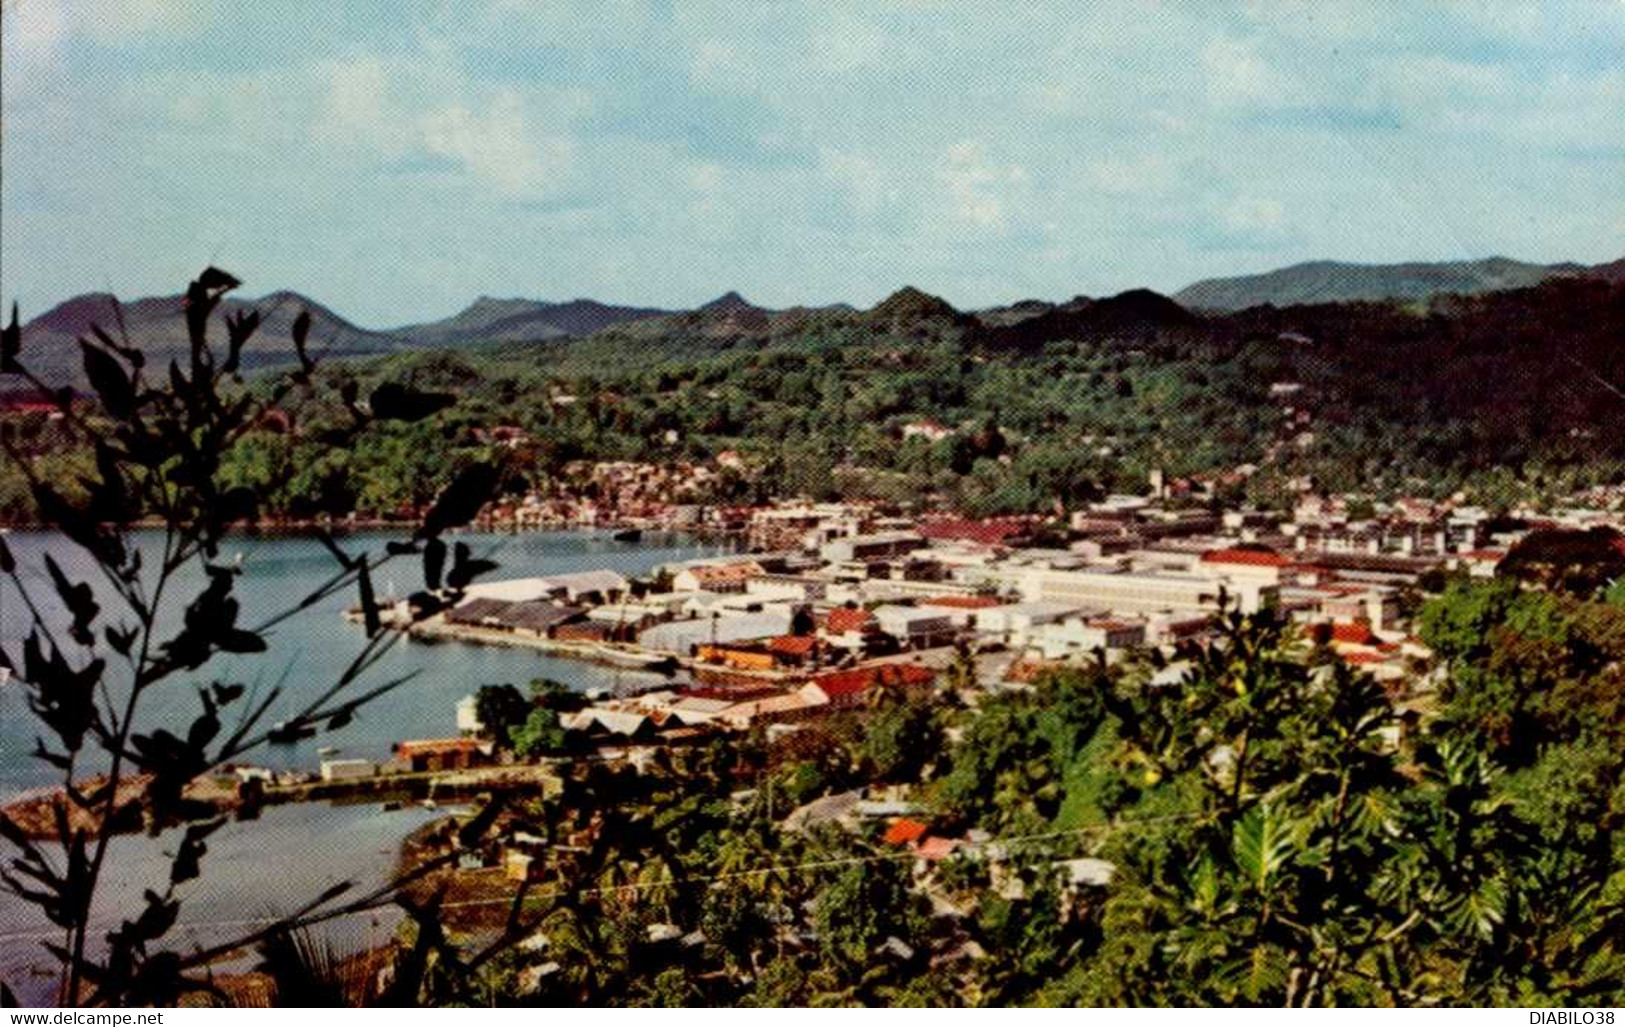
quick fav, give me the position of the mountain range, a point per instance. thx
(157, 323)
(1328, 281)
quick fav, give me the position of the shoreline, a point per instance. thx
(603, 654)
(310, 527)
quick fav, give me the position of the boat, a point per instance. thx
(633, 659)
(628, 535)
(328, 750)
(283, 734)
(391, 806)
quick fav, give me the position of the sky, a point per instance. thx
(395, 159)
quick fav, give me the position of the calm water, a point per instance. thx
(260, 869)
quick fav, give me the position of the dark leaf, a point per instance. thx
(214, 279)
(11, 345)
(109, 380)
(473, 832)
(132, 356)
(235, 505)
(239, 329)
(434, 560)
(121, 639)
(464, 568)
(78, 598)
(393, 402)
(301, 331)
(461, 501)
(345, 560)
(369, 603)
(424, 604)
(109, 498)
(62, 696)
(78, 526)
(193, 847)
(239, 641)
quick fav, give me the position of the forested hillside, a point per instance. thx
(1511, 393)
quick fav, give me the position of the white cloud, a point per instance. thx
(979, 189)
(862, 178)
(497, 144)
(1124, 176)
(42, 26)
(1237, 75)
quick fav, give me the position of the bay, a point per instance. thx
(260, 869)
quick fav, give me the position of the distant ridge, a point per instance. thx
(157, 324)
(1329, 281)
(519, 320)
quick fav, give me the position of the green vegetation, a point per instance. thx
(1264, 826)
(1052, 409)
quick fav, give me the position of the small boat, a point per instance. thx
(282, 734)
(629, 535)
(633, 659)
(328, 750)
(391, 806)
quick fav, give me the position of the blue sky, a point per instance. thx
(396, 159)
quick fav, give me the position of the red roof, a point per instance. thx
(935, 848)
(962, 602)
(989, 532)
(841, 620)
(430, 746)
(1486, 555)
(795, 645)
(903, 831)
(1246, 557)
(1352, 633)
(1364, 658)
(849, 682)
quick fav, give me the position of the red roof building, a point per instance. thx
(847, 688)
(936, 848)
(904, 831)
(992, 532)
(842, 620)
(793, 645)
(1246, 558)
(962, 602)
(1353, 633)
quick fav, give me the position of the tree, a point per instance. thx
(540, 734)
(162, 446)
(502, 709)
(902, 738)
(1581, 563)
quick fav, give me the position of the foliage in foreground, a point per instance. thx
(1280, 832)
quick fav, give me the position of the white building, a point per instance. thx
(468, 716)
(347, 770)
(1139, 592)
(880, 546)
(682, 636)
(1085, 635)
(1016, 623)
(915, 627)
